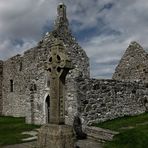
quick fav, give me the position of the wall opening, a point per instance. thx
(47, 108)
(11, 85)
(20, 69)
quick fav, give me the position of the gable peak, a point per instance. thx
(135, 44)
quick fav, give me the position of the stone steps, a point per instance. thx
(32, 134)
(29, 139)
(99, 134)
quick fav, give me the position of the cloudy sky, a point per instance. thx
(104, 28)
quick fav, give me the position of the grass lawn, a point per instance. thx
(11, 129)
(133, 132)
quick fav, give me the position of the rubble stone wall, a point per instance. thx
(101, 100)
(133, 65)
(29, 79)
(24, 84)
(31, 82)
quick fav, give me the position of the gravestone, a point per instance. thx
(56, 134)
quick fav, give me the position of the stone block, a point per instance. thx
(56, 136)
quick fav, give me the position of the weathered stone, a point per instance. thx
(56, 136)
(77, 125)
(133, 65)
(28, 69)
(121, 101)
(100, 134)
(58, 67)
(24, 84)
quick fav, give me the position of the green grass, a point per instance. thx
(137, 137)
(131, 138)
(11, 129)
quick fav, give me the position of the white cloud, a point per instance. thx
(24, 20)
(7, 49)
(129, 17)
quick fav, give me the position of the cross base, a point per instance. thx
(55, 136)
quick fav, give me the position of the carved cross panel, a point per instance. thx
(58, 67)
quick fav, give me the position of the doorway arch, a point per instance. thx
(47, 109)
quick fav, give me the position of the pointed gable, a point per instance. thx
(133, 65)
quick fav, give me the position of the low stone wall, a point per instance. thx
(99, 134)
(101, 100)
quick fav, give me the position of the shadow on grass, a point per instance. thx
(11, 129)
(137, 137)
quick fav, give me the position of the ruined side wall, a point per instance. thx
(30, 82)
(81, 70)
(101, 100)
(1, 79)
(29, 85)
(13, 101)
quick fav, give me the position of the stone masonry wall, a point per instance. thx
(133, 65)
(81, 67)
(101, 100)
(30, 81)
(1, 78)
(24, 84)
(25, 71)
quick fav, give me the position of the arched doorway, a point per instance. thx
(47, 108)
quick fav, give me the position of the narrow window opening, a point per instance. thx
(21, 66)
(11, 85)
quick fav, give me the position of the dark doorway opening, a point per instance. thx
(47, 106)
(11, 85)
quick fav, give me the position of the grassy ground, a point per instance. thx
(11, 129)
(133, 132)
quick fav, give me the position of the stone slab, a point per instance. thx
(99, 134)
(55, 136)
(30, 139)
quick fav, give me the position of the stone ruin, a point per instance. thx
(133, 65)
(56, 134)
(25, 84)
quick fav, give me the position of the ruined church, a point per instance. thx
(25, 84)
